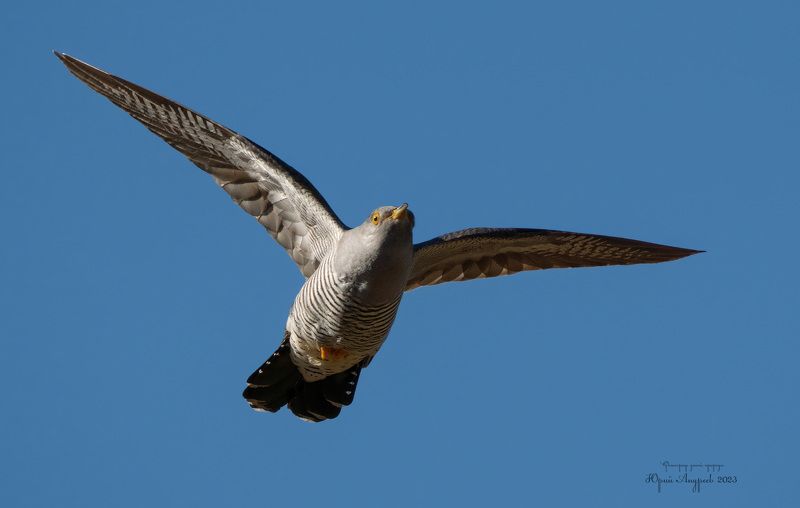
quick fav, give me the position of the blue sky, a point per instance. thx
(136, 298)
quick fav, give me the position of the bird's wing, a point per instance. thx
(280, 198)
(489, 252)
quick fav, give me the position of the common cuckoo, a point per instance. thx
(355, 277)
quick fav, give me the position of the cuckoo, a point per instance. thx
(355, 277)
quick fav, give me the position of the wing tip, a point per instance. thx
(72, 64)
(63, 56)
(683, 252)
(670, 253)
(78, 67)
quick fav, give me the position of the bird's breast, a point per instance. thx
(338, 320)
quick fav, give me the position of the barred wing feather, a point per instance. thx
(490, 252)
(279, 197)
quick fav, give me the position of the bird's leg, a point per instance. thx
(331, 353)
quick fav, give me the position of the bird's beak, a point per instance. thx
(400, 212)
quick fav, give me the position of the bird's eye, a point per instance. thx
(376, 218)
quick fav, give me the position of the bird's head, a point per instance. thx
(386, 231)
(389, 220)
(388, 227)
(379, 253)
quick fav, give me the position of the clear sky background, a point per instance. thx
(135, 298)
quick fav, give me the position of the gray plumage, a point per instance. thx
(350, 301)
(355, 277)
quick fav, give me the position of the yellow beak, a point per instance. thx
(400, 212)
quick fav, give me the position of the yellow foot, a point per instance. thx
(331, 353)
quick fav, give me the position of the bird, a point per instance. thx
(355, 277)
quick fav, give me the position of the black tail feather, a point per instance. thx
(278, 383)
(309, 404)
(276, 368)
(341, 388)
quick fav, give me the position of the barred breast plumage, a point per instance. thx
(330, 312)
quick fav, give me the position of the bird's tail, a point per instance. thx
(278, 383)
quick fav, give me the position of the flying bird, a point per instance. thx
(355, 277)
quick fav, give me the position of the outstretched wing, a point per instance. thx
(489, 252)
(280, 198)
